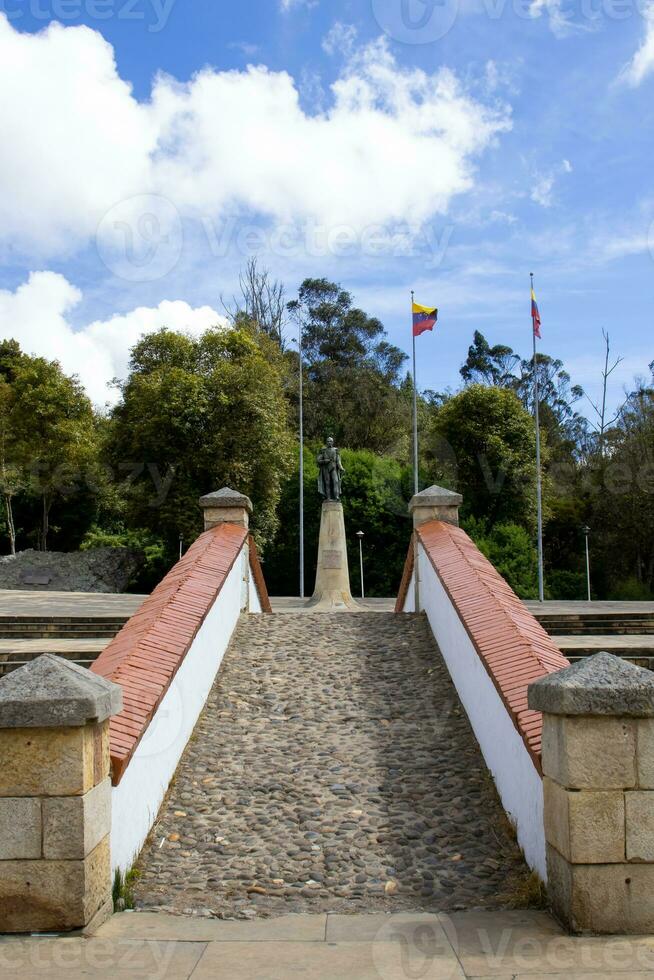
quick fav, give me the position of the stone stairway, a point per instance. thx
(581, 629)
(333, 768)
(77, 626)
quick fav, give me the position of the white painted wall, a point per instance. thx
(410, 600)
(254, 602)
(136, 800)
(518, 782)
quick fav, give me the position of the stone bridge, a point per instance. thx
(441, 757)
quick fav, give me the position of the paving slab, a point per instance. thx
(400, 927)
(16, 602)
(532, 943)
(68, 959)
(338, 961)
(161, 926)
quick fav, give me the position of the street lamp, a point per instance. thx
(360, 536)
(181, 545)
(586, 532)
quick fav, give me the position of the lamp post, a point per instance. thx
(181, 544)
(586, 532)
(360, 536)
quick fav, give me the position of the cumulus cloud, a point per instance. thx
(642, 63)
(37, 315)
(394, 145)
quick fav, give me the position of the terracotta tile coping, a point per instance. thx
(512, 645)
(150, 648)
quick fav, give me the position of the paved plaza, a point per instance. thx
(519, 945)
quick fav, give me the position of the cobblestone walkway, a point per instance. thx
(332, 769)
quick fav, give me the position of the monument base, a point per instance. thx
(332, 591)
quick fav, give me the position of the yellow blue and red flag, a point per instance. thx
(535, 315)
(424, 318)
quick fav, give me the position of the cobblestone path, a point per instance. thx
(332, 769)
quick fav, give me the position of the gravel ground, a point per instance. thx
(332, 769)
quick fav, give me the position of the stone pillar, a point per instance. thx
(433, 504)
(55, 796)
(226, 507)
(332, 592)
(598, 781)
(230, 507)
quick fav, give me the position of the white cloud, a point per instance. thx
(642, 63)
(395, 144)
(543, 190)
(340, 39)
(559, 19)
(37, 316)
(287, 5)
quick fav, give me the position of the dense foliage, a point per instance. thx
(195, 414)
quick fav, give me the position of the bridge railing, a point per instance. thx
(494, 649)
(165, 660)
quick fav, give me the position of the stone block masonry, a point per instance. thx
(598, 761)
(55, 797)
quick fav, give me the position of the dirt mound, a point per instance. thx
(95, 570)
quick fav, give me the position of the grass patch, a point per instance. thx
(122, 891)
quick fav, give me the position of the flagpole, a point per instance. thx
(539, 481)
(416, 486)
(301, 461)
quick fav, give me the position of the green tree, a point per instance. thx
(482, 442)
(511, 550)
(48, 433)
(375, 498)
(195, 415)
(622, 506)
(353, 387)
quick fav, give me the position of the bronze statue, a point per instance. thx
(330, 470)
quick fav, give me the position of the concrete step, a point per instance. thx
(629, 647)
(14, 653)
(18, 631)
(566, 628)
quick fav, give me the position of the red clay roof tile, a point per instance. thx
(512, 645)
(147, 653)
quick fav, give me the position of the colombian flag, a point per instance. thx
(424, 318)
(535, 315)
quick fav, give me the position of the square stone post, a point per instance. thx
(226, 507)
(230, 507)
(433, 504)
(598, 781)
(55, 796)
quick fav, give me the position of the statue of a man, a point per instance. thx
(330, 470)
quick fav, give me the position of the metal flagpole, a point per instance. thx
(301, 461)
(539, 481)
(416, 486)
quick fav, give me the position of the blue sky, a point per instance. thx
(152, 146)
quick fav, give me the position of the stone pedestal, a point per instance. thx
(598, 782)
(55, 796)
(332, 591)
